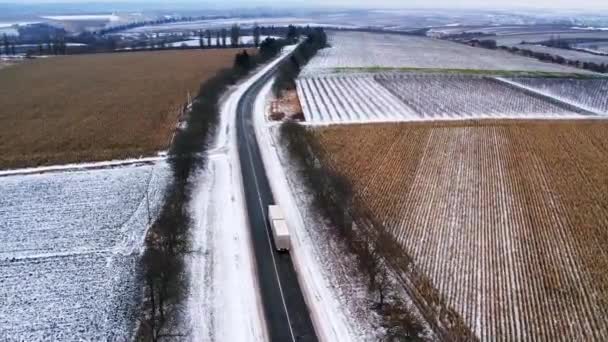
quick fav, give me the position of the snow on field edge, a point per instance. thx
(81, 166)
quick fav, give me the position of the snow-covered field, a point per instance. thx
(69, 251)
(457, 96)
(591, 94)
(387, 97)
(367, 50)
(350, 98)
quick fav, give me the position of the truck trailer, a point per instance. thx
(280, 231)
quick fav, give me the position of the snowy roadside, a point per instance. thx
(337, 301)
(224, 302)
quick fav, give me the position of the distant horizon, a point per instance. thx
(560, 5)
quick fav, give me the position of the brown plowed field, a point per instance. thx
(509, 219)
(97, 107)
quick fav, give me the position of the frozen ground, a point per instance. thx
(366, 50)
(590, 94)
(69, 251)
(393, 97)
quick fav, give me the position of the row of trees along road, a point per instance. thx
(370, 245)
(167, 242)
(544, 56)
(332, 199)
(206, 38)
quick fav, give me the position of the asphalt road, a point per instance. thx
(286, 313)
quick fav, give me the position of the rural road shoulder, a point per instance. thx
(285, 310)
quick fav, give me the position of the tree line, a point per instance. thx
(333, 199)
(316, 39)
(547, 57)
(55, 46)
(9, 46)
(544, 56)
(162, 265)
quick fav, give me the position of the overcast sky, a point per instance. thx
(562, 4)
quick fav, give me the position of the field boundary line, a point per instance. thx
(81, 166)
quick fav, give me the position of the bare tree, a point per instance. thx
(256, 35)
(224, 34)
(235, 35)
(208, 34)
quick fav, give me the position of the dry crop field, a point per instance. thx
(508, 219)
(97, 107)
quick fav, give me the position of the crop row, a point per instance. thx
(348, 99)
(449, 96)
(507, 220)
(589, 93)
(356, 98)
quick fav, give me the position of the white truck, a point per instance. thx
(280, 232)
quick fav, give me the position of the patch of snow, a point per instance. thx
(70, 248)
(83, 166)
(410, 97)
(108, 17)
(590, 28)
(587, 94)
(401, 51)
